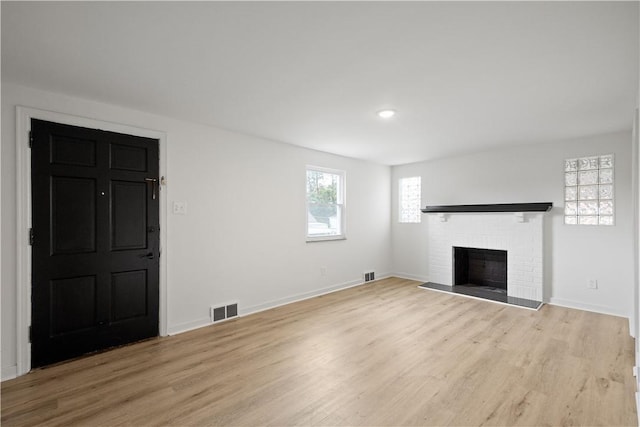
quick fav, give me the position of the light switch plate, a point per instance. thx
(179, 208)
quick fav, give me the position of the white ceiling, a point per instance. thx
(463, 76)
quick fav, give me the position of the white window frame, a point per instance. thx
(400, 196)
(341, 205)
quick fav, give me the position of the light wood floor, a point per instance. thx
(385, 353)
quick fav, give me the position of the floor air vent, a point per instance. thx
(218, 314)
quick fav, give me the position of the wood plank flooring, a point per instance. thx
(385, 353)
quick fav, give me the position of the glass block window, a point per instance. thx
(410, 193)
(588, 190)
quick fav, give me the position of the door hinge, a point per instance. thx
(31, 236)
(30, 139)
(30, 334)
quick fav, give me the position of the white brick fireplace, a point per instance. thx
(520, 234)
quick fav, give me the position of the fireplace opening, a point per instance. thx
(480, 268)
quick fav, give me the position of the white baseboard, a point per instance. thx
(188, 326)
(410, 276)
(587, 307)
(306, 295)
(9, 372)
(201, 323)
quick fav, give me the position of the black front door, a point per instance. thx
(95, 240)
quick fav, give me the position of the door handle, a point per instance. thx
(153, 183)
(148, 256)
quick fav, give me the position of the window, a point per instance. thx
(325, 204)
(410, 192)
(588, 190)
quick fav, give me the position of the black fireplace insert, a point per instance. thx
(480, 267)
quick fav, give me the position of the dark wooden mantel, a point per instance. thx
(500, 207)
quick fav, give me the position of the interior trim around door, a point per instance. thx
(24, 214)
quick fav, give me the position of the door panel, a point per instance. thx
(96, 239)
(129, 294)
(128, 215)
(73, 304)
(128, 158)
(72, 151)
(73, 212)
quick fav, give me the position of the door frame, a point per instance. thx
(24, 215)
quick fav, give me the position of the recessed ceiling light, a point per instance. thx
(386, 114)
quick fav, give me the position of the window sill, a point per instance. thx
(325, 238)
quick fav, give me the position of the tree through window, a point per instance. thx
(325, 204)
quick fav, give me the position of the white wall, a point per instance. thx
(243, 238)
(636, 180)
(636, 234)
(635, 158)
(534, 173)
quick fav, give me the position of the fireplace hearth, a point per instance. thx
(481, 273)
